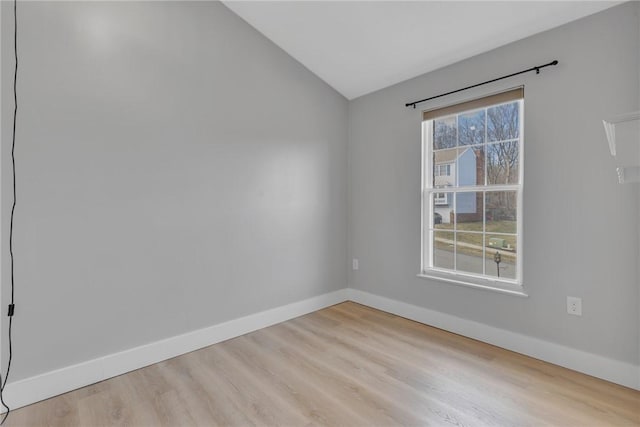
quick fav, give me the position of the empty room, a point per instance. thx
(336, 213)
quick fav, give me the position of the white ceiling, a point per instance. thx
(358, 47)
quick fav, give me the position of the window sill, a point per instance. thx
(487, 285)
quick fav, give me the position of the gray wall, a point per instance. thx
(580, 226)
(175, 170)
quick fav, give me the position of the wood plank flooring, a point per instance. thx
(346, 365)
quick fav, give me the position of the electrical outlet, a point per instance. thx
(355, 264)
(574, 306)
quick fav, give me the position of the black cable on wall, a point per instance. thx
(11, 309)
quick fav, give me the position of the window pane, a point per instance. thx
(443, 210)
(468, 211)
(443, 249)
(506, 247)
(469, 252)
(444, 170)
(444, 133)
(501, 211)
(471, 128)
(470, 166)
(503, 122)
(503, 162)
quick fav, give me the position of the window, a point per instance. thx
(472, 192)
(440, 198)
(442, 170)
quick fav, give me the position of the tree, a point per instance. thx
(471, 128)
(503, 157)
(503, 122)
(444, 133)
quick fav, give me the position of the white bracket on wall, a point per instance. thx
(623, 135)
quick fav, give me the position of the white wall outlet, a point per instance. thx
(574, 306)
(355, 265)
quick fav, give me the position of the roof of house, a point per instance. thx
(447, 156)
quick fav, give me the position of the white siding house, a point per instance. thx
(453, 167)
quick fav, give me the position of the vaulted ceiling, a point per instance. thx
(358, 47)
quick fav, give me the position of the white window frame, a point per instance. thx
(503, 285)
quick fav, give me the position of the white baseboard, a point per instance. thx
(622, 373)
(30, 390)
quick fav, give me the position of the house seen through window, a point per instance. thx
(472, 188)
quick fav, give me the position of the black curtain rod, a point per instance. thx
(536, 69)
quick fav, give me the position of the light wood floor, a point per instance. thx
(346, 365)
